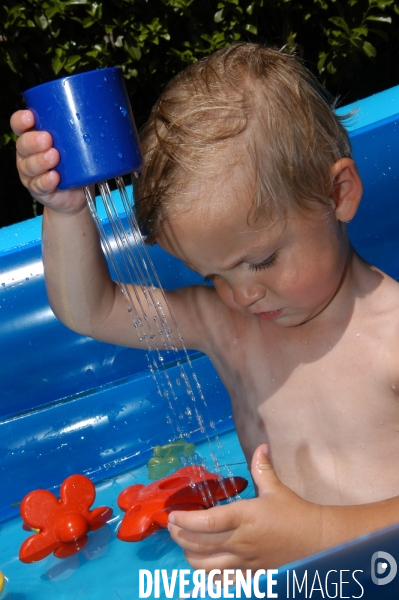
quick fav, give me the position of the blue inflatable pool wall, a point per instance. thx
(71, 404)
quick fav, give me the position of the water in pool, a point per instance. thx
(106, 568)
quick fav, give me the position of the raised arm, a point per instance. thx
(80, 290)
(79, 287)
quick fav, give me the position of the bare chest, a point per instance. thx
(329, 413)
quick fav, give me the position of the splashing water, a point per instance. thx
(154, 321)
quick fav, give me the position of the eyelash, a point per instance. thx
(253, 267)
(266, 264)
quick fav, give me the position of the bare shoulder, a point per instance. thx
(380, 319)
(387, 325)
(203, 319)
(384, 299)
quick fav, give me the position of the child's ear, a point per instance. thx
(347, 189)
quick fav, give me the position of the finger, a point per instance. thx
(34, 142)
(44, 184)
(200, 542)
(262, 471)
(22, 121)
(38, 164)
(212, 561)
(218, 519)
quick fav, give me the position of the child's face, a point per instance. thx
(285, 272)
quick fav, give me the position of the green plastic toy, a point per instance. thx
(168, 458)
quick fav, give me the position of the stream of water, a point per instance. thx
(153, 319)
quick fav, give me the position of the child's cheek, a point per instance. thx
(307, 286)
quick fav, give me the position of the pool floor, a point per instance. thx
(106, 568)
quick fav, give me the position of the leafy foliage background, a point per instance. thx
(352, 46)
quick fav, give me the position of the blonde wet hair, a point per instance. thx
(247, 106)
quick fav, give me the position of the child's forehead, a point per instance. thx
(227, 192)
(210, 213)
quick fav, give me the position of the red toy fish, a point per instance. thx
(190, 488)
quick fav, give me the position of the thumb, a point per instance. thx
(262, 472)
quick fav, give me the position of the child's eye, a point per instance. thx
(265, 264)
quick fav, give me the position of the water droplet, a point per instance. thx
(87, 138)
(120, 154)
(123, 110)
(78, 116)
(105, 79)
(102, 135)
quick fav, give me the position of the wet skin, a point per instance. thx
(303, 335)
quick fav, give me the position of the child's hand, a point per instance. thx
(261, 533)
(36, 159)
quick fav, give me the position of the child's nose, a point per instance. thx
(245, 295)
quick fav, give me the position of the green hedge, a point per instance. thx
(353, 46)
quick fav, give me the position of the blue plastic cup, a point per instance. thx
(91, 121)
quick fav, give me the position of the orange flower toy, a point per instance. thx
(190, 488)
(63, 524)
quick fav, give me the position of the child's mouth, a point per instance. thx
(270, 315)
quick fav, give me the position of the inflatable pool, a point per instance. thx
(69, 404)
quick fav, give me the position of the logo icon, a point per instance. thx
(383, 563)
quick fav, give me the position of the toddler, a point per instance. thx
(248, 179)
